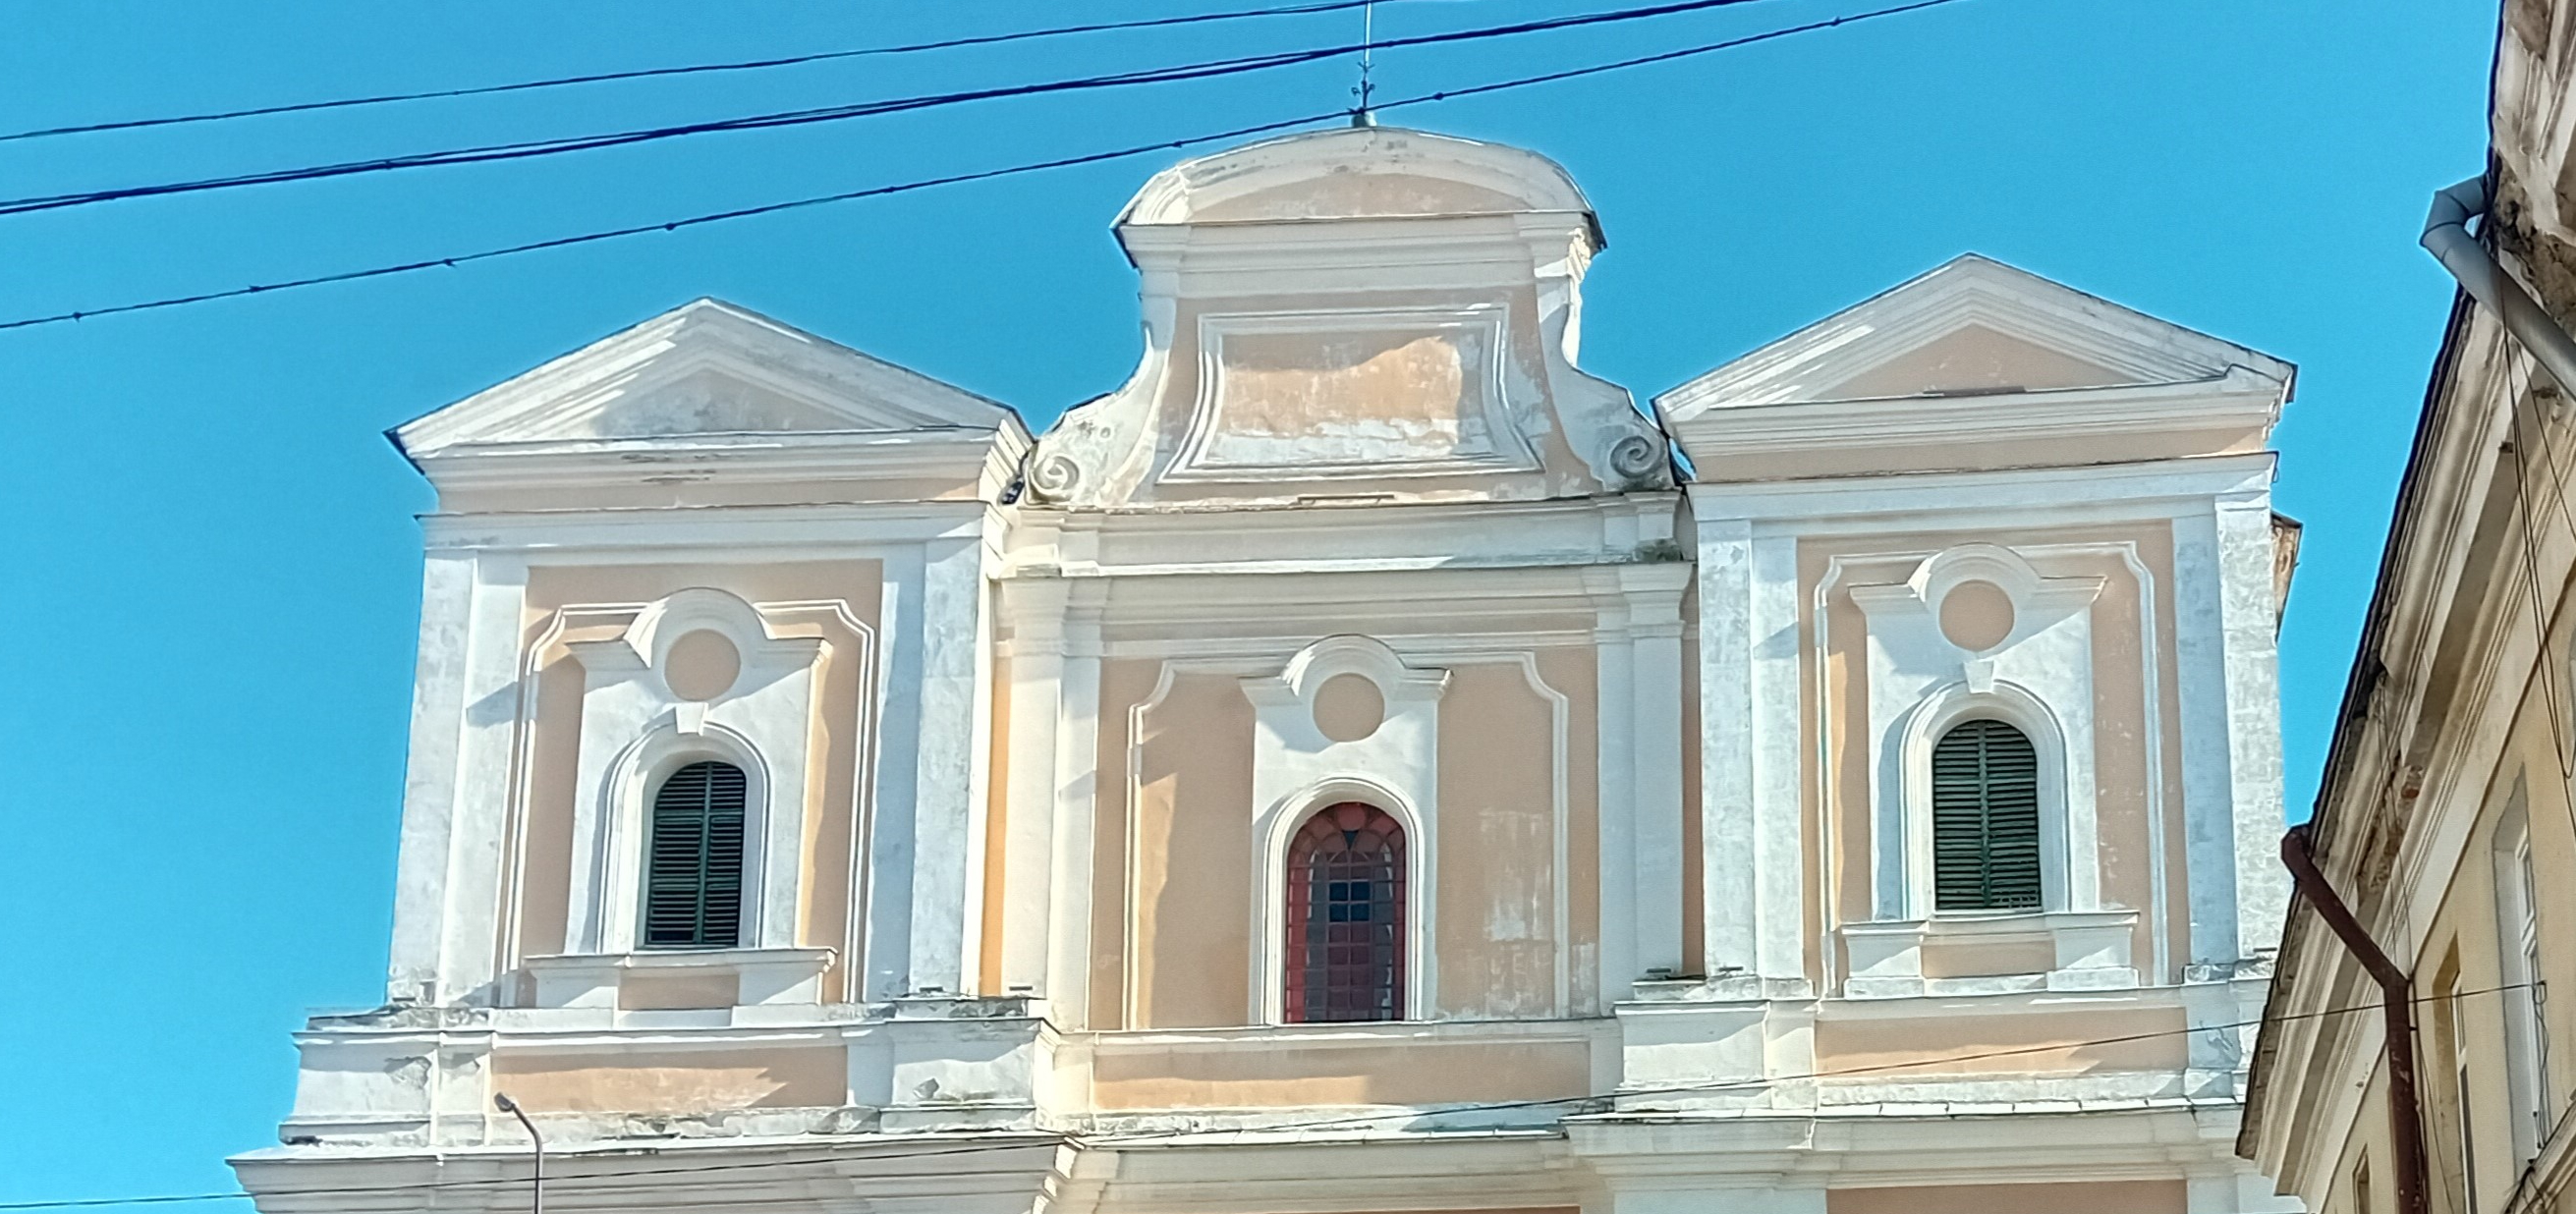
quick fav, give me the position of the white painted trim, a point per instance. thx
(2069, 876)
(1892, 502)
(1967, 290)
(1508, 448)
(1273, 828)
(608, 909)
(1297, 770)
(865, 392)
(2150, 657)
(636, 730)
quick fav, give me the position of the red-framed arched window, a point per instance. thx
(1345, 958)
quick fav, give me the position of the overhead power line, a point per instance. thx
(692, 69)
(528, 149)
(558, 242)
(1142, 1138)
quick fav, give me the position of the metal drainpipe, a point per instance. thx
(2397, 1004)
(2446, 237)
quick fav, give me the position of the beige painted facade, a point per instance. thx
(1028, 729)
(2448, 815)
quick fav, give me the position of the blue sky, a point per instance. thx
(212, 566)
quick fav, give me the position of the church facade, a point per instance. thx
(1363, 763)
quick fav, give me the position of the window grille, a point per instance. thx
(1346, 907)
(1985, 819)
(693, 868)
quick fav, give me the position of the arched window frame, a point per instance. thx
(640, 773)
(636, 730)
(1905, 880)
(1276, 829)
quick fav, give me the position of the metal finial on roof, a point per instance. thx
(1364, 116)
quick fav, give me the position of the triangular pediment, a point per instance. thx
(1974, 326)
(705, 369)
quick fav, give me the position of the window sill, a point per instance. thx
(1990, 953)
(675, 980)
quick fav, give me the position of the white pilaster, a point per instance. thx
(2208, 786)
(1073, 797)
(1033, 609)
(429, 788)
(1779, 806)
(480, 792)
(1653, 596)
(890, 832)
(2249, 615)
(1614, 667)
(1727, 888)
(948, 819)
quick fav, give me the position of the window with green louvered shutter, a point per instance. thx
(693, 868)
(1985, 819)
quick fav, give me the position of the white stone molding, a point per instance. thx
(1297, 770)
(2069, 872)
(761, 976)
(1489, 437)
(2089, 951)
(2037, 677)
(636, 731)
(1454, 260)
(1637, 643)
(2132, 348)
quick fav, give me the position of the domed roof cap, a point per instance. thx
(1358, 173)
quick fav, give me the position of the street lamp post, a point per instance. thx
(537, 1175)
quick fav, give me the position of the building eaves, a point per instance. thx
(2353, 711)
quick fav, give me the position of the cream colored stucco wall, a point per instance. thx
(2072, 1042)
(697, 1081)
(2093, 1197)
(1175, 852)
(551, 745)
(2120, 713)
(1330, 1073)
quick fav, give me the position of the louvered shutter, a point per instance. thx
(693, 866)
(1985, 819)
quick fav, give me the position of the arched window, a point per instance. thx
(1345, 958)
(1985, 818)
(693, 862)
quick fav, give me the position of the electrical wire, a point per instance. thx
(693, 69)
(529, 149)
(558, 242)
(1267, 1133)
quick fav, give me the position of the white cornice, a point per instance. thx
(1969, 290)
(2236, 398)
(854, 391)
